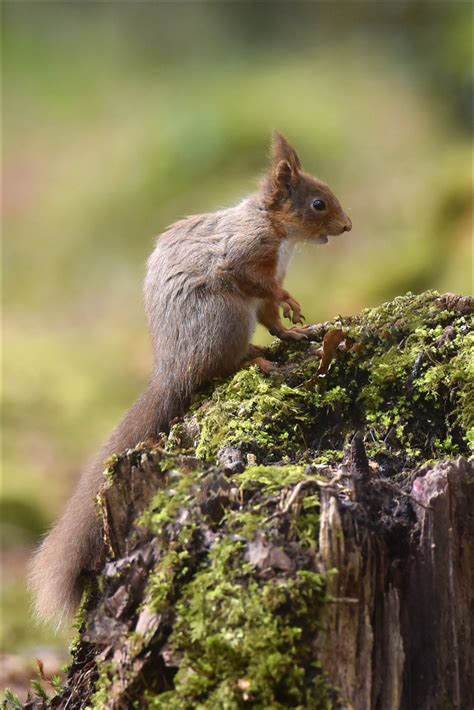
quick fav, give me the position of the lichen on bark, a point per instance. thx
(220, 588)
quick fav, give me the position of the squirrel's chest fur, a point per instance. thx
(285, 253)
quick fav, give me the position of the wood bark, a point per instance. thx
(401, 630)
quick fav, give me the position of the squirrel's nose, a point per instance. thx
(346, 224)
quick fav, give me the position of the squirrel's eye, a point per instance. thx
(319, 205)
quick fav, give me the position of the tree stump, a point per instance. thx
(303, 539)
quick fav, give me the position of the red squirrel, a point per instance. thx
(210, 279)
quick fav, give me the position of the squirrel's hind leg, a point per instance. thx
(256, 356)
(266, 366)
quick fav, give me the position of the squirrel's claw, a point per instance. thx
(292, 310)
(290, 334)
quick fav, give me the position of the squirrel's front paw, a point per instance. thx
(292, 310)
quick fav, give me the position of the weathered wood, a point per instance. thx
(401, 630)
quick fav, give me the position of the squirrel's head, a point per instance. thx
(302, 204)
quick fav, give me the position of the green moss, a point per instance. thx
(240, 639)
(242, 633)
(270, 478)
(110, 465)
(330, 456)
(252, 409)
(162, 585)
(407, 383)
(262, 483)
(167, 502)
(81, 613)
(11, 701)
(103, 684)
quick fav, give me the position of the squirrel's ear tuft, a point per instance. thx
(282, 180)
(282, 150)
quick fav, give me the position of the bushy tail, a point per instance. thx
(74, 543)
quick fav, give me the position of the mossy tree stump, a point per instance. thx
(298, 540)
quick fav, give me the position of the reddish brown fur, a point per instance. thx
(209, 279)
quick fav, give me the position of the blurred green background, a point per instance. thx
(121, 117)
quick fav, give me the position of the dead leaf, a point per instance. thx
(41, 672)
(330, 344)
